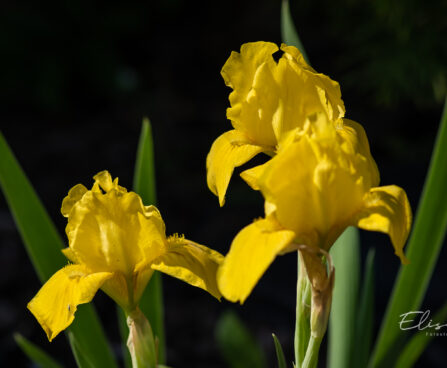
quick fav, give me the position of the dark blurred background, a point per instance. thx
(77, 77)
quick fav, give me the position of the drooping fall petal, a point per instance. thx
(387, 210)
(230, 150)
(190, 262)
(55, 304)
(251, 253)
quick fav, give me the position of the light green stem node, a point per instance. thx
(141, 341)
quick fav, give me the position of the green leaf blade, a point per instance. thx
(151, 302)
(346, 259)
(43, 245)
(365, 315)
(279, 353)
(40, 237)
(289, 34)
(423, 248)
(81, 359)
(35, 353)
(144, 174)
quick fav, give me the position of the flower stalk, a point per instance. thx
(141, 342)
(314, 298)
(311, 358)
(303, 300)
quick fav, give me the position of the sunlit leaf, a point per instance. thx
(346, 260)
(151, 302)
(289, 34)
(423, 249)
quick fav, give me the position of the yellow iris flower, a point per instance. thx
(317, 185)
(269, 99)
(116, 243)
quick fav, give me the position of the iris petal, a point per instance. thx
(240, 68)
(74, 195)
(191, 262)
(355, 142)
(387, 210)
(104, 230)
(230, 150)
(251, 253)
(56, 302)
(252, 176)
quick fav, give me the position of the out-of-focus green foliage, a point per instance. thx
(124, 333)
(236, 344)
(39, 357)
(346, 259)
(288, 30)
(79, 353)
(365, 315)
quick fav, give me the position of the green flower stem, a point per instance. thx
(302, 327)
(311, 358)
(141, 341)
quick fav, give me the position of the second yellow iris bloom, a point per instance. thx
(318, 184)
(269, 99)
(116, 243)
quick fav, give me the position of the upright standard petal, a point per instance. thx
(103, 231)
(327, 89)
(74, 195)
(270, 98)
(355, 142)
(240, 68)
(55, 304)
(230, 150)
(151, 237)
(251, 253)
(190, 262)
(314, 189)
(386, 209)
